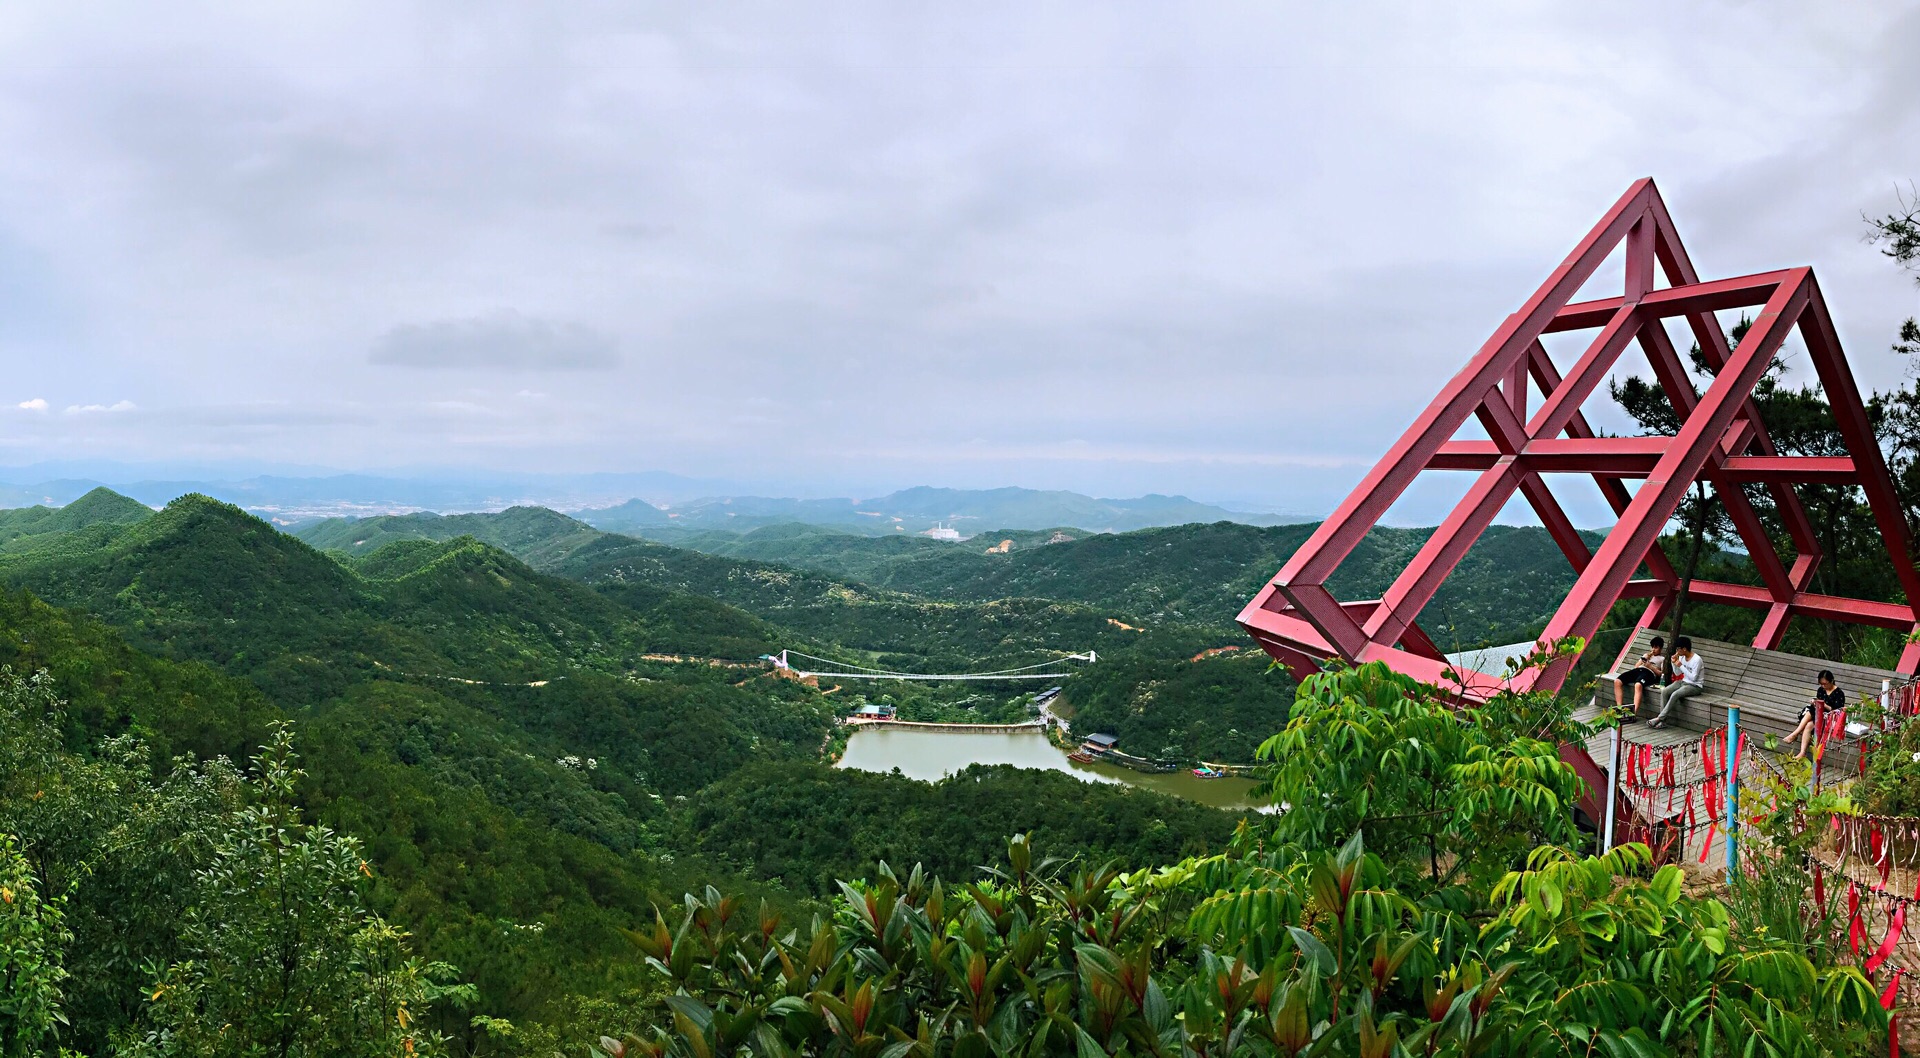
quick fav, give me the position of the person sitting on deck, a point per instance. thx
(1692, 670)
(1827, 697)
(1645, 674)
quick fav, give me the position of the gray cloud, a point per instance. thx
(505, 342)
(1225, 250)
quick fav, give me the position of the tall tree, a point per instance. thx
(279, 956)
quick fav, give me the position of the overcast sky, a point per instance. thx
(1224, 250)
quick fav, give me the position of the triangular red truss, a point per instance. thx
(1721, 441)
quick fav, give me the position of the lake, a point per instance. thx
(931, 755)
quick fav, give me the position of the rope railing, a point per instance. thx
(1670, 804)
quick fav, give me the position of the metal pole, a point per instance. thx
(1732, 754)
(1613, 788)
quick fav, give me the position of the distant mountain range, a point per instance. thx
(288, 499)
(967, 511)
(654, 504)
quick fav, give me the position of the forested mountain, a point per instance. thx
(524, 778)
(1146, 600)
(102, 506)
(536, 535)
(894, 627)
(1197, 576)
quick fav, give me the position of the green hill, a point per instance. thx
(1192, 575)
(538, 536)
(496, 736)
(480, 698)
(439, 790)
(1195, 576)
(893, 627)
(101, 506)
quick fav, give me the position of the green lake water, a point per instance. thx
(931, 755)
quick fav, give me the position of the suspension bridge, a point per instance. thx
(801, 665)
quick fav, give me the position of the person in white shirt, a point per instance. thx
(1692, 670)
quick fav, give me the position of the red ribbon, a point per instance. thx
(1856, 933)
(1894, 929)
(1887, 999)
(1715, 770)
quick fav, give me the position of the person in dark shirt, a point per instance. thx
(1827, 698)
(1646, 673)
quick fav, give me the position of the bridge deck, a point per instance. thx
(1770, 686)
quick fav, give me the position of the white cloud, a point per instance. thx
(36, 404)
(88, 409)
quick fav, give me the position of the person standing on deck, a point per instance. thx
(1692, 670)
(1827, 696)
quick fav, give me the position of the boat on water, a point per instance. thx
(1080, 756)
(1209, 773)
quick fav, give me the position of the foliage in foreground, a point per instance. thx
(1467, 791)
(1277, 946)
(1267, 950)
(192, 915)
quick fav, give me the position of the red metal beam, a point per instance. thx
(1635, 457)
(1677, 300)
(1806, 604)
(1746, 522)
(1713, 344)
(1342, 532)
(1547, 377)
(1850, 416)
(1721, 441)
(1442, 552)
(1564, 402)
(1599, 587)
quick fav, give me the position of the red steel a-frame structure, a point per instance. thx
(1721, 441)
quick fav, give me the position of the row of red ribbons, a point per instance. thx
(1906, 700)
(1895, 907)
(1884, 842)
(1648, 771)
(1876, 841)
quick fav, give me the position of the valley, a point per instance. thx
(494, 706)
